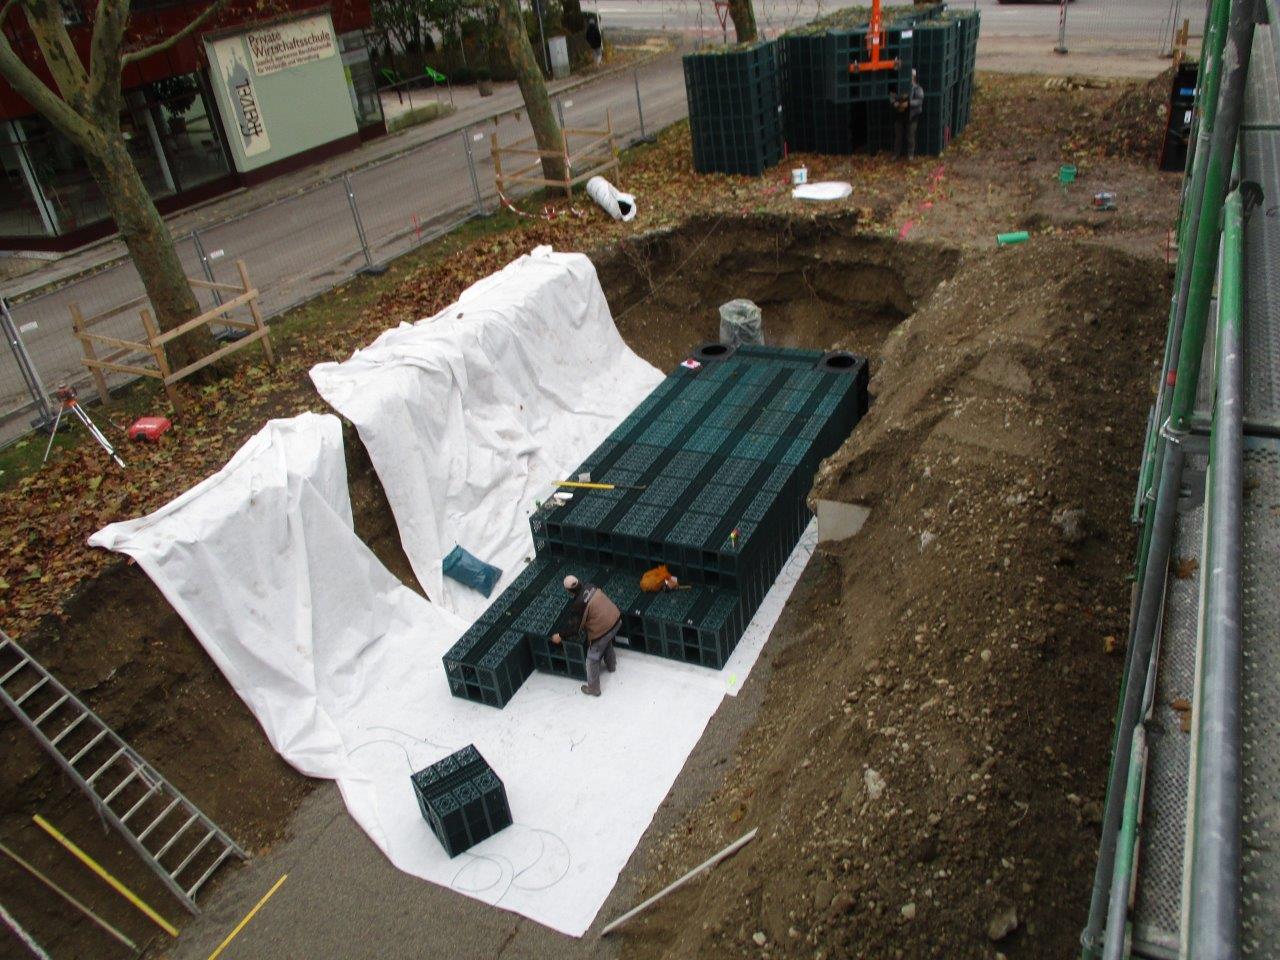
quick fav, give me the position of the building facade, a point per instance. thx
(249, 98)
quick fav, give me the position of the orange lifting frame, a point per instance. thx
(875, 40)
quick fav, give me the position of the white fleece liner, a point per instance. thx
(472, 415)
(341, 665)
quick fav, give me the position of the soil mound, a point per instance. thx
(929, 764)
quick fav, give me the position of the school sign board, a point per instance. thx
(291, 44)
(281, 90)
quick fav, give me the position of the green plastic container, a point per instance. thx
(1067, 173)
(1011, 239)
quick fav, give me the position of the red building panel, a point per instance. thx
(153, 20)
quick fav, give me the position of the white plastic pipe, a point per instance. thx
(619, 205)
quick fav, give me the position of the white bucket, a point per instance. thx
(799, 175)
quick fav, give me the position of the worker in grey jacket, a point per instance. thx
(598, 620)
(906, 117)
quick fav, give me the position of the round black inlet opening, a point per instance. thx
(712, 351)
(840, 361)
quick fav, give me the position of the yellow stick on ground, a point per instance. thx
(115, 884)
(583, 485)
(68, 897)
(248, 916)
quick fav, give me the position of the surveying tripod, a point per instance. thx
(69, 402)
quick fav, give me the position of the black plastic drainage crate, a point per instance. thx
(734, 99)
(936, 54)
(565, 659)
(462, 800)
(933, 135)
(488, 664)
(713, 469)
(811, 121)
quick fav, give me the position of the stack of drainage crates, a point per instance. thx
(734, 103)
(936, 46)
(709, 475)
(828, 109)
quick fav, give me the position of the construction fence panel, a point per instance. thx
(306, 244)
(44, 323)
(410, 198)
(294, 249)
(16, 401)
(1144, 27)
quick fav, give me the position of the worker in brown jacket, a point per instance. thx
(598, 620)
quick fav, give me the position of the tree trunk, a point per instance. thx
(744, 20)
(546, 130)
(151, 246)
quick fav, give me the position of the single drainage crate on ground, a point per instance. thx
(462, 800)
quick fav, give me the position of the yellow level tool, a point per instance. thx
(583, 485)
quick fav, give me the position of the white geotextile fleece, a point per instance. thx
(341, 664)
(472, 415)
(262, 563)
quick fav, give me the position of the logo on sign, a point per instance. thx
(245, 105)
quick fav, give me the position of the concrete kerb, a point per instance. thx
(19, 294)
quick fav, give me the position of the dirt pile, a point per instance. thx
(1136, 120)
(1123, 120)
(928, 768)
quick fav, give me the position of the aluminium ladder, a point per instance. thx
(126, 790)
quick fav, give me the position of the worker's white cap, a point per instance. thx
(571, 582)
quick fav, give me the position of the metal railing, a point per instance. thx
(1214, 924)
(308, 243)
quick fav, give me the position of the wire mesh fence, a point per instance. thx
(1145, 27)
(308, 243)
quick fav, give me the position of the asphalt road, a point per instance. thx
(1122, 20)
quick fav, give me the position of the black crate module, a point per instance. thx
(734, 109)
(462, 800)
(712, 470)
(936, 54)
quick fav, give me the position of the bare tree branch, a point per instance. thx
(34, 90)
(61, 58)
(104, 55)
(163, 45)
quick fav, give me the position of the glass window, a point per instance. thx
(21, 208)
(360, 80)
(142, 136)
(72, 199)
(169, 134)
(191, 144)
